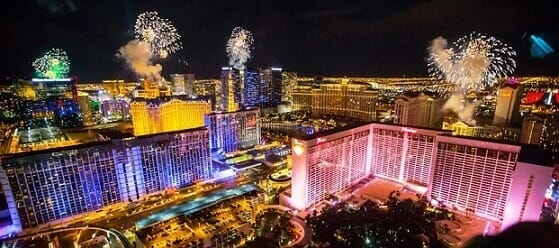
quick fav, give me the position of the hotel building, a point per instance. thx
(498, 181)
(288, 83)
(165, 115)
(232, 131)
(508, 103)
(418, 109)
(229, 90)
(55, 184)
(350, 100)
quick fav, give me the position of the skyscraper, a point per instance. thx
(85, 107)
(178, 84)
(232, 131)
(532, 130)
(418, 109)
(190, 78)
(288, 83)
(508, 104)
(229, 91)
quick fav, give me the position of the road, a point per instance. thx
(119, 219)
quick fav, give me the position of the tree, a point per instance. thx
(398, 223)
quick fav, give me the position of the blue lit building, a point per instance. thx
(232, 131)
(253, 88)
(50, 185)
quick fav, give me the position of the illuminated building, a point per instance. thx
(494, 180)
(205, 87)
(497, 181)
(151, 90)
(288, 81)
(262, 88)
(508, 104)
(178, 83)
(550, 136)
(158, 115)
(253, 93)
(85, 107)
(24, 89)
(403, 154)
(112, 110)
(229, 90)
(350, 100)
(325, 165)
(418, 109)
(232, 131)
(461, 128)
(532, 129)
(56, 184)
(64, 88)
(178, 115)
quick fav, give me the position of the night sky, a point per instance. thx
(336, 38)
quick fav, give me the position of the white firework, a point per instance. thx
(473, 62)
(159, 33)
(239, 47)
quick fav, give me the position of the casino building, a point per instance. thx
(498, 181)
(55, 184)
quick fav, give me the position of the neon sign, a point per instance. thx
(320, 140)
(408, 130)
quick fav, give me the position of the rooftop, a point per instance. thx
(195, 205)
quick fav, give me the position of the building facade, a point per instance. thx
(497, 181)
(532, 130)
(351, 100)
(418, 109)
(508, 104)
(55, 184)
(232, 131)
(166, 115)
(288, 83)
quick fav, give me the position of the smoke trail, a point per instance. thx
(138, 57)
(464, 110)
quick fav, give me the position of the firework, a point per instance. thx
(53, 64)
(159, 33)
(239, 47)
(472, 62)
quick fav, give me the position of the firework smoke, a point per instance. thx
(472, 63)
(239, 47)
(138, 56)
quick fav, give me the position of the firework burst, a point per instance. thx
(159, 33)
(472, 62)
(239, 47)
(53, 64)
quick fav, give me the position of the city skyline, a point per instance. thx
(357, 38)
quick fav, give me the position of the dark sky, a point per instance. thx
(353, 38)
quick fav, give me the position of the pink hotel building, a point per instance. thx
(497, 181)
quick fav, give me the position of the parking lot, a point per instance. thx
(225, 223)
